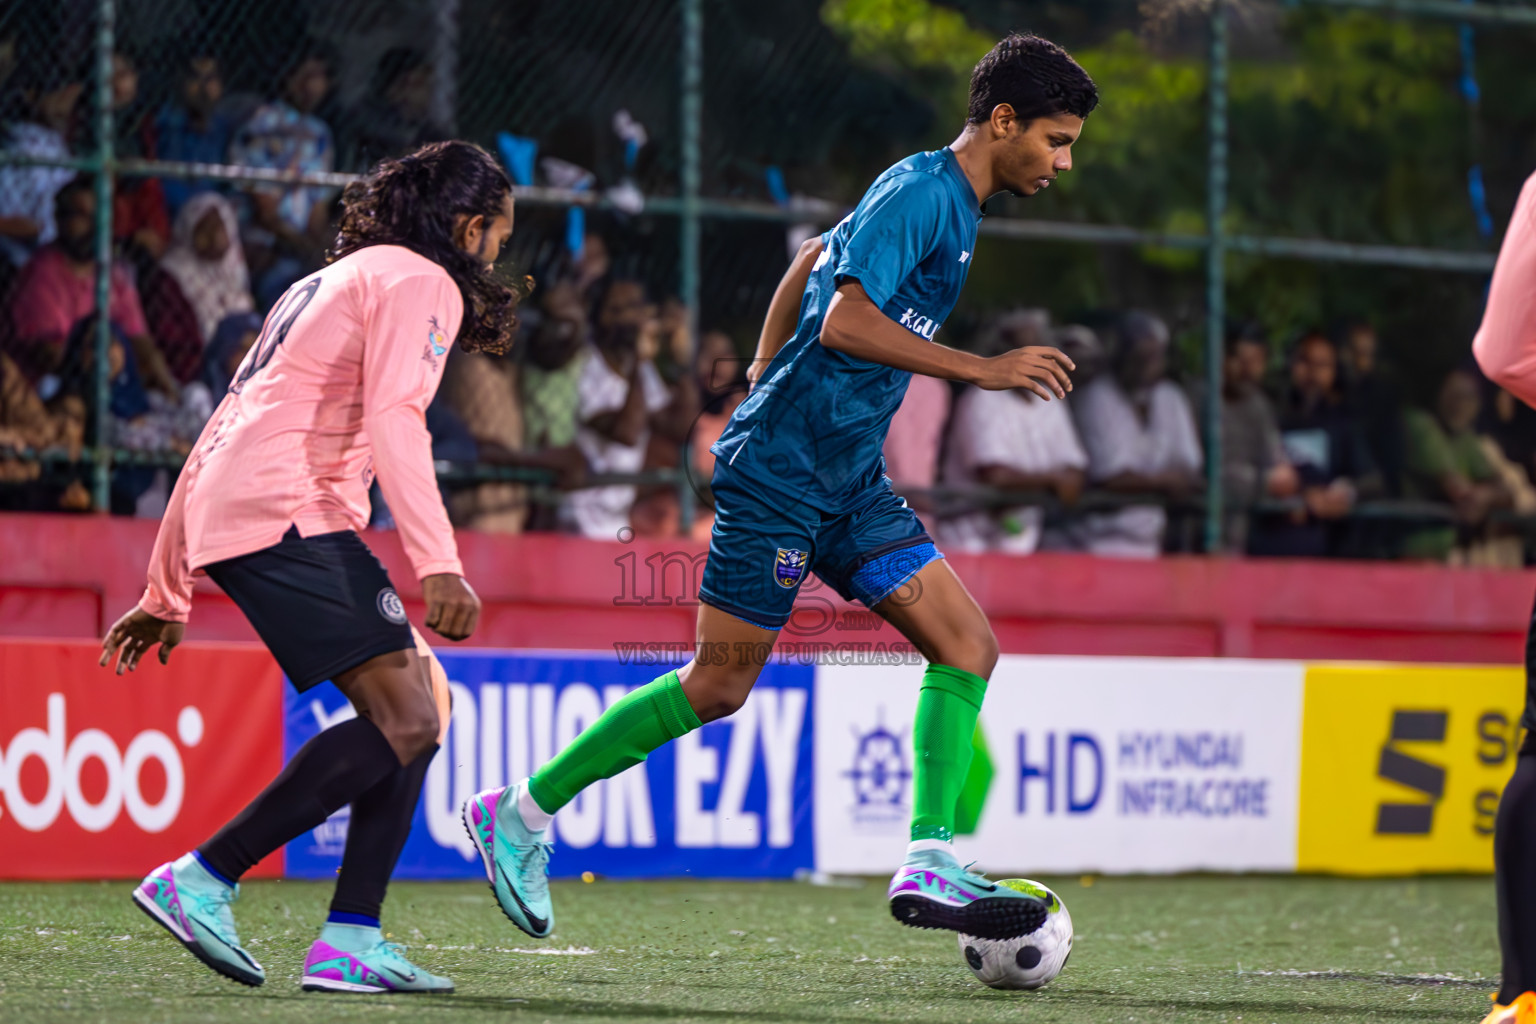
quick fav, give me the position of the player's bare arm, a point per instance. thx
(784, 309)
(855, 326)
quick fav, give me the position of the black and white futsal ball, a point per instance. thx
(1027, 961)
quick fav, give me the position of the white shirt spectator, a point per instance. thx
(601, 512)
(1020, 432)
(29, 191)
(1119, 442)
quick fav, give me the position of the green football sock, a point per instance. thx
(947, 707)
(635, 725)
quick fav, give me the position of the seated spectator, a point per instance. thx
(482, 391)
(140, 224)
(721, 376)
(201, 281)
(590, 267)
(553, 367)
(1253, 463)
(482, 415)
(226, 350)
(677, 357)
(1376, 395)
(1011, 440)
(1447, 462)
(57, 291)
(1505, 547)
(25, 426)
(913, 440)
(1512, 425)
(1081, 345)
(138, 420)
(1140, 435)
(395, 115)
(141, 420)
(718, 371)
(657, 511)
(190, 127)
(1323, 439)
(49, 91)
(289, 224)
(621, 398)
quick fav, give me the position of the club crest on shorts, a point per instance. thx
(390, 606)
(788, 567)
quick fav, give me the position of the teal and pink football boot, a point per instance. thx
(932, 890)
(354, 958)
(516, 859)
(185, 899)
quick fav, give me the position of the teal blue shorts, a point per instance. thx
(759, 554)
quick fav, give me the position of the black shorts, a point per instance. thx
(321, 604)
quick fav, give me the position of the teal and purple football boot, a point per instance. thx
(190, 903)
(367, 965)
(932, 890)
(516, 859)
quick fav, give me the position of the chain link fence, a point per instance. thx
(669, 156)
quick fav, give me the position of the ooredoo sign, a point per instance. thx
(105, 776)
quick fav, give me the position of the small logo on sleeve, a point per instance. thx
(789, 568)
(390, 606)
(437, 343)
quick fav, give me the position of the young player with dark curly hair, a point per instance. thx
(269, 506)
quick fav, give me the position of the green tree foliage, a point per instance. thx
(1344, 125)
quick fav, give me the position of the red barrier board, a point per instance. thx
(72, 576)
(106, 776)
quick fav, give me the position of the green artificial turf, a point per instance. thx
(1148, 949)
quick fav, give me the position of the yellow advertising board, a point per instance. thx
(1402, 766)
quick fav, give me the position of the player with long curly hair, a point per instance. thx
(269, 506)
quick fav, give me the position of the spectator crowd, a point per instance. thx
(1323, 453)
(195, 261)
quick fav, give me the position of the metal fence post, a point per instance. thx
(1215, 272)
(445, 64)
(692, 113)
(102, 462)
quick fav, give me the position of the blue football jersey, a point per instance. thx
(812, 431)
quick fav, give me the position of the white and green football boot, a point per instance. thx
(190, 903)
(516, 859)
(932, 890)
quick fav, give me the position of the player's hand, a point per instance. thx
(1036, 368)
(453, 610)
(755, 370)
(648, 341)
(135, 633)
(570, 467)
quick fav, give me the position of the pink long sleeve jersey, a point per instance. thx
(1505, 345)
(340, 378)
